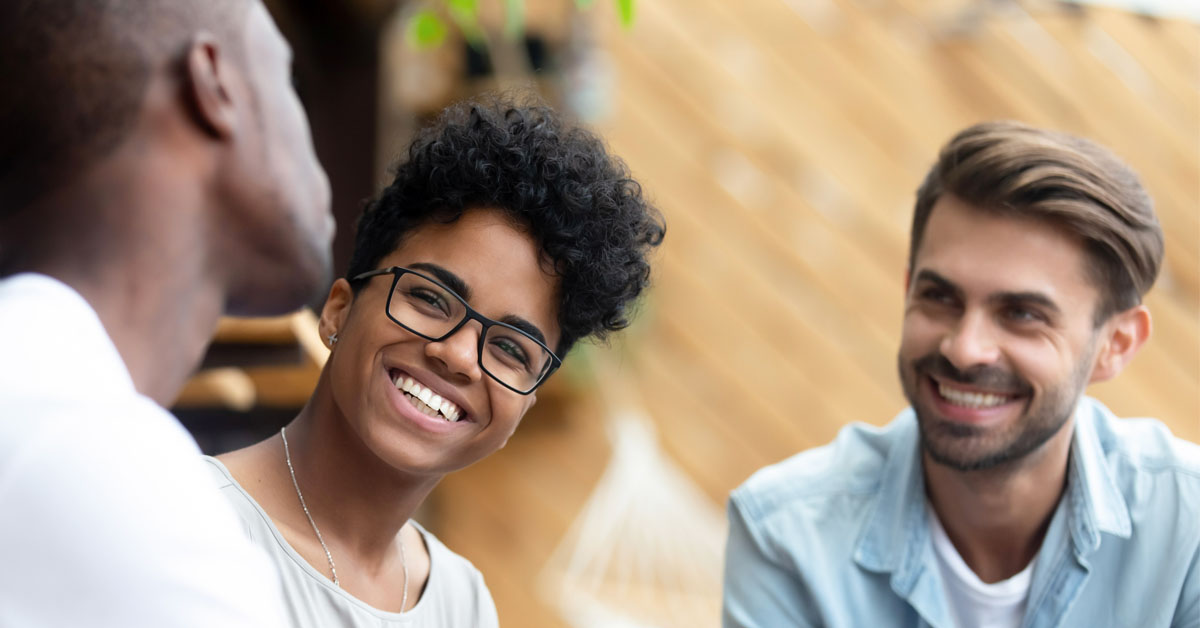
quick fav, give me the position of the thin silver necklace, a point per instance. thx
(287, 455)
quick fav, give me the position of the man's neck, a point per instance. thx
(997, 518)
(160, 334)
(137, 255)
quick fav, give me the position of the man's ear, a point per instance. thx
(1121, 337)
(207, 87)
(335, 311)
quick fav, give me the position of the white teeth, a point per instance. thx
(449, 409)
(426, 400)
(970, 399)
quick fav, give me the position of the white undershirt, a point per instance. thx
(973, 602)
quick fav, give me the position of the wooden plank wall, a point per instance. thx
(784, 140)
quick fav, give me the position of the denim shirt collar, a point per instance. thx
(896, 536)
(896, 525)
(1092, 498)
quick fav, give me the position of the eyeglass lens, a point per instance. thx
(510, 356)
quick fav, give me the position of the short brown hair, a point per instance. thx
(1066, 181)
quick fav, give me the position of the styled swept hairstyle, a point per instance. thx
(1066, 181)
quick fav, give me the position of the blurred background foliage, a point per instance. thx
(427, 28)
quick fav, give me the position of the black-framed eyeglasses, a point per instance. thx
(425, 307)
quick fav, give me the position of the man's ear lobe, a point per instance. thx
(1123, 335)
(207, 75)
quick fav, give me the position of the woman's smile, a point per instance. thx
(423, 398)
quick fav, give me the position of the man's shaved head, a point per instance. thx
(154, 157)
(75, 73)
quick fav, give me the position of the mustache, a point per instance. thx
(980, 375)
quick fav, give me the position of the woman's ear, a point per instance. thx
(335, 311)
(1121, 337)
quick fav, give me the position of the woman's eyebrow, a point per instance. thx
(460, 287)
(447, 278)
(525, 326)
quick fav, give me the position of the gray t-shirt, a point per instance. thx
(454, 597)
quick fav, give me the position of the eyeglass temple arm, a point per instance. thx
(374, 273)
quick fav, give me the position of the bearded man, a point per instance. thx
(1003, 496)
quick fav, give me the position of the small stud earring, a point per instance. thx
(332, 338)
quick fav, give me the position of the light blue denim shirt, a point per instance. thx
(839, 536)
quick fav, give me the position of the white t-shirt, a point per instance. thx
(454, 597)
(107, 516)
(974, 603)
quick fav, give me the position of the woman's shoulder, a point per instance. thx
(251, 516)
(219, 473)
(445, 560)
(222, 478)
(454, 578)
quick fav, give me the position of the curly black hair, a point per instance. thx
(579, 203)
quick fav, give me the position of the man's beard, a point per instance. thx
(964, 447)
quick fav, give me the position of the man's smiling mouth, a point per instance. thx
(971, 398)
(424, 399)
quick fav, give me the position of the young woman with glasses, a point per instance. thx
(505, 237)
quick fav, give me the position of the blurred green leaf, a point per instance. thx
(465, 14)
(465, 7)
(514, 18)
(425, 30)
(625, 10)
